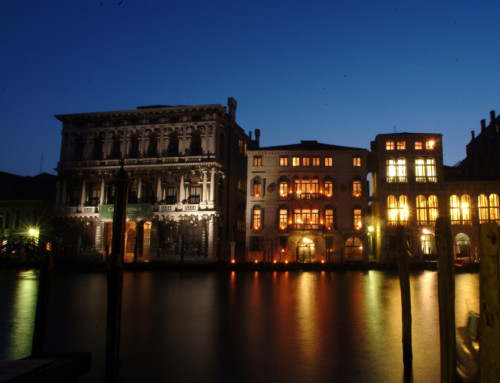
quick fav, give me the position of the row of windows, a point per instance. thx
(306, 161)
(305, 188)
(308, 219)
(401, 145)
(426, 209)
(425, 170)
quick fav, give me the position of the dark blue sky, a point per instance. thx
(339, 72)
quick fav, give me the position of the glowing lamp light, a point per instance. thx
(274, 261)
(322, 261)
(431, 144)
(286, 262)
(233, 261)
(426, 231)
(256, 261)
(370, 229)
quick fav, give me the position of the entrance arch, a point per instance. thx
(462, 243)
(353, 249)
(306, 250)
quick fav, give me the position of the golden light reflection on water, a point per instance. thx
(307, 315)
(22, 316)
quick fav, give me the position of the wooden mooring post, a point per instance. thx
(489, 298)
(404, 283)
(42, 303)
(446, 295)
(115, 276)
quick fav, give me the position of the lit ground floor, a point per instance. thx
(188, 237)
(303, 246)
(421, 242)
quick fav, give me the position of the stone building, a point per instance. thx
(307, 203)
(412, 188)
(187, 166)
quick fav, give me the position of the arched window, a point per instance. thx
(328, 187)
(425, 170)
(401, 170)
(358, 218)
(116, 148)
(397, 210)
(257, 218)
(257, 187)
(283, 191)
(195, 147)
(315, 185)
(391, 170)
(432, 203)
(329, 218)
(173, 144)
(357, 190)
(421, 207)
(465, 203)
(153, 145)
(482, 204)
(134, 146)
(494, 208)
(283, 217)
(454, 210)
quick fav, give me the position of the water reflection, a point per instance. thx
(20, 314)
(253, 327)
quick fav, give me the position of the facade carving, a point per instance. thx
(185, 164)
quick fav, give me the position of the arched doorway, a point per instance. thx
(130, 241)
(305, 250)
(428, 244)
(353, 249)
(462, 243)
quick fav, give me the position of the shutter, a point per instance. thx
(262, 218)
(251, 186)
(263, 187)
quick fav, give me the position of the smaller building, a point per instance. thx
(26, 205)
(307, 202)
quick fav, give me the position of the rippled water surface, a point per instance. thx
(309, 326)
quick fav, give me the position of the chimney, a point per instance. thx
(473, 135)
(257, 137)
(492, 116)
(232, 104)
(483, 125)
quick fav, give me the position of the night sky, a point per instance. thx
(339, 72)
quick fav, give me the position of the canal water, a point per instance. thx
(296, 326)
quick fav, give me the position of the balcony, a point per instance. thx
(304, 196)
(306, 226)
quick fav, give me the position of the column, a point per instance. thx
(212, 187)
(158, 190)
(101, 195)
(212, 241)
(182, 191)
(204, 192)
(82, 196)
(139, 189)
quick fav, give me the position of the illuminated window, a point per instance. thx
(257, 160)
(460, 213)
(328, 188)
(315, 185)
(397, 210)
(430, 168)
(305, 186)
(432, 204)
(454, 210)
(316, 161)
(257, 188)
(306, 161)
(401, 145)
(418, 145)
(356, 188)
(420, 170)
(425, 170)
(283, 161)
(295, 161)
(328, 161)
(283, 214)
(306, 218)
(488, 208)
(390, 165)
(430, 144)
(358, 219)
(257, 219)
(494, 208)
(356, 161)
(401, 170)
(465, 203)
(329, 219)
(283, 188)
(421, 207)
(389, 145)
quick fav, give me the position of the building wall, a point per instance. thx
(184, 164)
(300, 236)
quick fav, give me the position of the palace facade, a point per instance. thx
(187, 167)
(307, 202)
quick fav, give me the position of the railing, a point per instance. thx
(89, 209)
(306, 226)
(304, 196)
